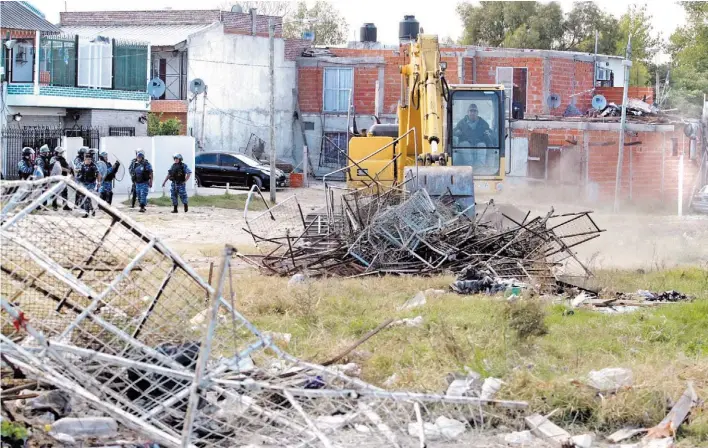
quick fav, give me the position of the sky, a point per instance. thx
(435, 16)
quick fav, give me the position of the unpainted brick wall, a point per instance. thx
(646, 162)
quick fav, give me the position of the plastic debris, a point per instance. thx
(610, 379)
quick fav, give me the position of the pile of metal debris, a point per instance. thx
(378, 230)
(98, 313)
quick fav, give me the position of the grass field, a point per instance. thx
(232, 201)
(665, 346)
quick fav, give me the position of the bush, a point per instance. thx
(527, 317)
(156, 126)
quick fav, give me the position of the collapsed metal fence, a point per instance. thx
(103, 310)
(386, 230)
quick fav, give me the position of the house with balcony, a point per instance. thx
(57, 84)
(229, 51)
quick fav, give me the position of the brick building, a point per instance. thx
(579, 153)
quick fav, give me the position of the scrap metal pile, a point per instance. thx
(378, 230)
(103, 311)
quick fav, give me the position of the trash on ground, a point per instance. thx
(548, 431)
(670, 424)
(610, 379)
(414, 302)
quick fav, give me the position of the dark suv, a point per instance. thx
(238, 170)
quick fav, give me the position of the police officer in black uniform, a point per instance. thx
(25, 167)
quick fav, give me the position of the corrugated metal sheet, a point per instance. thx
(157, 35)
(15, 15)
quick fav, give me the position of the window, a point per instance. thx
(206, 159)
(227, 160)
(334, 149)
(95, 63)
(475, 131)
(515, 80)
(121, 131)
(22, 57)
(337, 88)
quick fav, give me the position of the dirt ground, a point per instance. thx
(632, 240)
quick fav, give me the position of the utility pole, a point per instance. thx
(271, 44)
(627, 63)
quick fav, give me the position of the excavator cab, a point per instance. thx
(476, 132)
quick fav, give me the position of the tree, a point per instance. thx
(490, 22)
(275, 8)
(156, 126)
(637, 22)
(322, 18)
(688, 46)
(580, 25)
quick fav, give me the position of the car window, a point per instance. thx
(206, 159)
(245, 160)
(227, 160)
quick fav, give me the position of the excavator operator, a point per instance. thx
(472, 130)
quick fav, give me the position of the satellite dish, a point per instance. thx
(599, 102)
(197, 86)
(237, 8)
(156, 88)
(553, 100)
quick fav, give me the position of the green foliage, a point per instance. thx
(637, 23)
(13, 431)
(688, 46)
(322, 18)
(527, 318)
(156, 126)
(580, 25)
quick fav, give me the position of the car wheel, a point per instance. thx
(200, 183)
(256, 181)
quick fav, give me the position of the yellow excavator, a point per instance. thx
(448, 137)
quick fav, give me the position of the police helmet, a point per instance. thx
(140, 153)
(82, 150)
(92, 151)
(178, 156)
(103, 154)
(58, 150)
(27, 151)
(44, 149)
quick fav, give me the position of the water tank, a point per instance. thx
(408, 28)
(367, 33)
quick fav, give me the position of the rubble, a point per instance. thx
(112, 323)
(520, 438)
(416, 301)
(669, 425)
(386, 230)
(490, 388)
(583, 440)
(408, 322)
(545, 429)
(610, 379)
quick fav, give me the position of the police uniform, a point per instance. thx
(44, 164)
(177, 174)
(131, 170)
(106, 188)
(88, 175)
(142, 171)
(78, 162)
(25, 168)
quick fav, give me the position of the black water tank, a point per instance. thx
(367, 33)
(408, 28)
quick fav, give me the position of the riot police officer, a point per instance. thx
(179, 174)
(106, 188)
(78, 162)
(143, 178)
(131, 170)
(90, 178)
(43, 162)
(59, 163)
(25, 167)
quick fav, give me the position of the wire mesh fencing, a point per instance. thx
(103, 310)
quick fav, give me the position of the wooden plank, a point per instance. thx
(624, 434)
